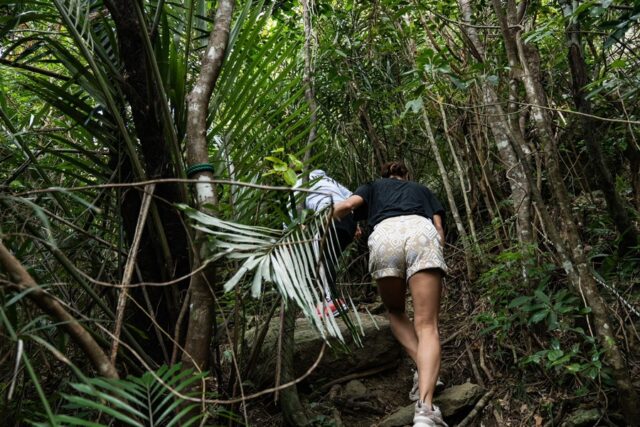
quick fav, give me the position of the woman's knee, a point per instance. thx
(427, 324)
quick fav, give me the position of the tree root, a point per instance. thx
(477, 409)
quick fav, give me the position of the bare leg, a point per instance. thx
(392, 291)
(425, 291)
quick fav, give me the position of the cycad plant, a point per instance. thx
(153, 399)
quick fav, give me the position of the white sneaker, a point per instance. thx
(424, 417)
(414, 394)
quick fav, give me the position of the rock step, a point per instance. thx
(379, 348)
(453, 402)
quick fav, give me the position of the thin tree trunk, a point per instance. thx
(199, 329)
(379, 149)
(618, 210)
(128, 269)
(463, 187)
(574, 260)
(502, 133)
(292, 409)
(487, 182)
(632, 152)
(22, 281)
(471, 268)
(489, 200)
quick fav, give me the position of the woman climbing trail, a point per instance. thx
(406, 249)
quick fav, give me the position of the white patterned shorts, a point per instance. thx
(403, 245)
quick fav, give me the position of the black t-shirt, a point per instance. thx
(388, 197)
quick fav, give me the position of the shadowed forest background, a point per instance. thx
(130, 295)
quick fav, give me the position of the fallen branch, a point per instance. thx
(454, 335)
(477, 409)
(128, 269)
(22, 281)
(483, 364)
(474, 367)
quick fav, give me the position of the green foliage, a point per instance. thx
(548, 308)
(284, 166)
(501, 284)
(154, 399)
(504, 273)
(581, 359)
(569, 352)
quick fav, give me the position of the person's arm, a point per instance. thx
(341, 209)
(437, 221)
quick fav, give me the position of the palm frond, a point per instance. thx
(135, 401)
(287, 258)
(258, 104)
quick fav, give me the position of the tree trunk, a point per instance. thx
(574, 260)
(379, 149)
(632, 152)
(490, 201)
(461, 180)
(478, 134)
(22, 281)
(157, 261)
(520, 195)
(503, 133)
(618, 209)
(292, 409)
(468, 253)
(199, 330)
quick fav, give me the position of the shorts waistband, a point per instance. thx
(402, 218)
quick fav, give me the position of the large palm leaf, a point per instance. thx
(289, 258)
(149, 400)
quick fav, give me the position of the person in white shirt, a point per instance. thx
(344, 230)
(332, 191)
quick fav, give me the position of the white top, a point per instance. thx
(332, 190)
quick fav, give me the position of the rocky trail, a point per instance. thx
(369, 385)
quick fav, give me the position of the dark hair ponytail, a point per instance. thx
(393, 169)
